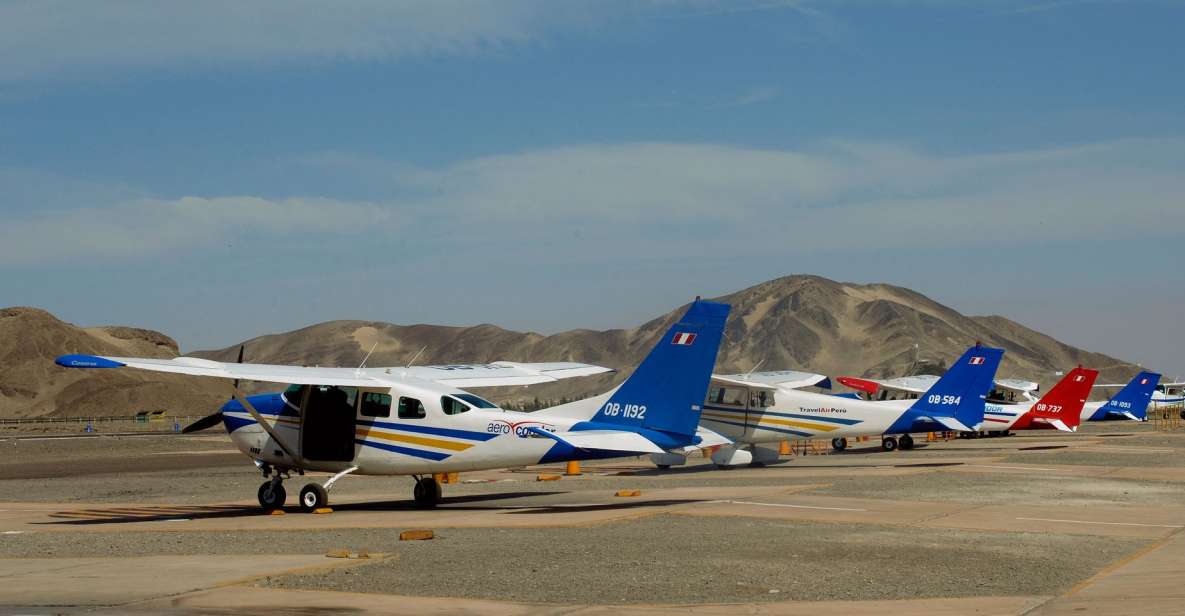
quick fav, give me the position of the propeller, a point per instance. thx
(209, 421)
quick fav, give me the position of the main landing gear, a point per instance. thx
(312, 497)
(427, 492)
(839, 444)
(890, 443)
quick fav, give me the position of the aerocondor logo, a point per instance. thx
(520, 429)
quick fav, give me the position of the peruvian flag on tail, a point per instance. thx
(683, 339)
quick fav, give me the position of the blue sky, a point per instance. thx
(220, 170)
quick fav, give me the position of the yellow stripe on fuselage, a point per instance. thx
(414, 440)
(762, 419)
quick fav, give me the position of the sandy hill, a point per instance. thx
(795, 322)
(32, 385)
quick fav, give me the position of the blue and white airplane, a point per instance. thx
(1130, 403)
(751, 410)
(416, 421)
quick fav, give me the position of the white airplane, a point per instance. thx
(751, 410)
(1062, 408)
(416, 421)
(1130, 403)
(1169, 395)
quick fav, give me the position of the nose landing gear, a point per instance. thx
(271, 493)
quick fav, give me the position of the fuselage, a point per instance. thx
(399, 431)
(754, 416)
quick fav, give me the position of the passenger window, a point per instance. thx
(410, 408)
(716, 395)
(452, 406)
(763, 399)
(375, 404)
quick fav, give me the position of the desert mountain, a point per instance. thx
(795, 322)
(32, 385)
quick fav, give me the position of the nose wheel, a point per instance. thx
(271, 494)
(426, 493)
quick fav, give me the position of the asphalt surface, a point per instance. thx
(1030, 515)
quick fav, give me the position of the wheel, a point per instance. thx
(663, 467)
(313, 496)
(272, 497)
(426, 493)
(905, 442)
(889, 443)
(839, 444)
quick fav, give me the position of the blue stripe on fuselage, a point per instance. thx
(408, 451)
(759, 427)
(465, 434)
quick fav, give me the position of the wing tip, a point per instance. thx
(86, 361)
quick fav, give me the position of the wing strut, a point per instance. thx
(264, 424)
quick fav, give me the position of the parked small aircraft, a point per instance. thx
(1130, 403)
(1061, 408)
(750, 410)
(416, 421)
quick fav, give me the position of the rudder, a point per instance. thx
(666, 391)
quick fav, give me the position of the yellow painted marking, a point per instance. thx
(415, 440)
(761, 419)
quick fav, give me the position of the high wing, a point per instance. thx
(788, 379)
(455, 375)
(922, 383)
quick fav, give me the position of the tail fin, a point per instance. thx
(1131, 401)
(667, 389)
(1062, 405)
(961, 393)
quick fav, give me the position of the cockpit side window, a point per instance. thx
(452, 406)
(294, 395)
(475, 401)
(375, 404)
(410, 408)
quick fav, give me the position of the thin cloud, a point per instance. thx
(663, 200)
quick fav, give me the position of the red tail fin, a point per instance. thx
(1064, 402)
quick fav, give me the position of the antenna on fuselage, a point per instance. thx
(754, 369)
(363, 364)
(417, 356)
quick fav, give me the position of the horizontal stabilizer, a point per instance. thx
(708, 438)
(1057, 423)
(951, 423)
(603, 440)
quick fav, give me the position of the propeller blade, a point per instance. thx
(241, 347)
(208, 421)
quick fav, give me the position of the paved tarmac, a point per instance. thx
(1034, 524)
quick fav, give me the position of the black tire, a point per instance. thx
(839, 444)
(272, 498)
(426, 493)
(905, 442)
(663, 467)
(889, 444)
(313, 497)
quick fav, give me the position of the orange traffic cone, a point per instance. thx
(784, 448)
(573, 469)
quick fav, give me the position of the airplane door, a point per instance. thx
(327, 426)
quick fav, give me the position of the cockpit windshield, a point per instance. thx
(480, 403)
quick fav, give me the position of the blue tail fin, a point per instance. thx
(961, 392)
(1133, 399)
(667, 389)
